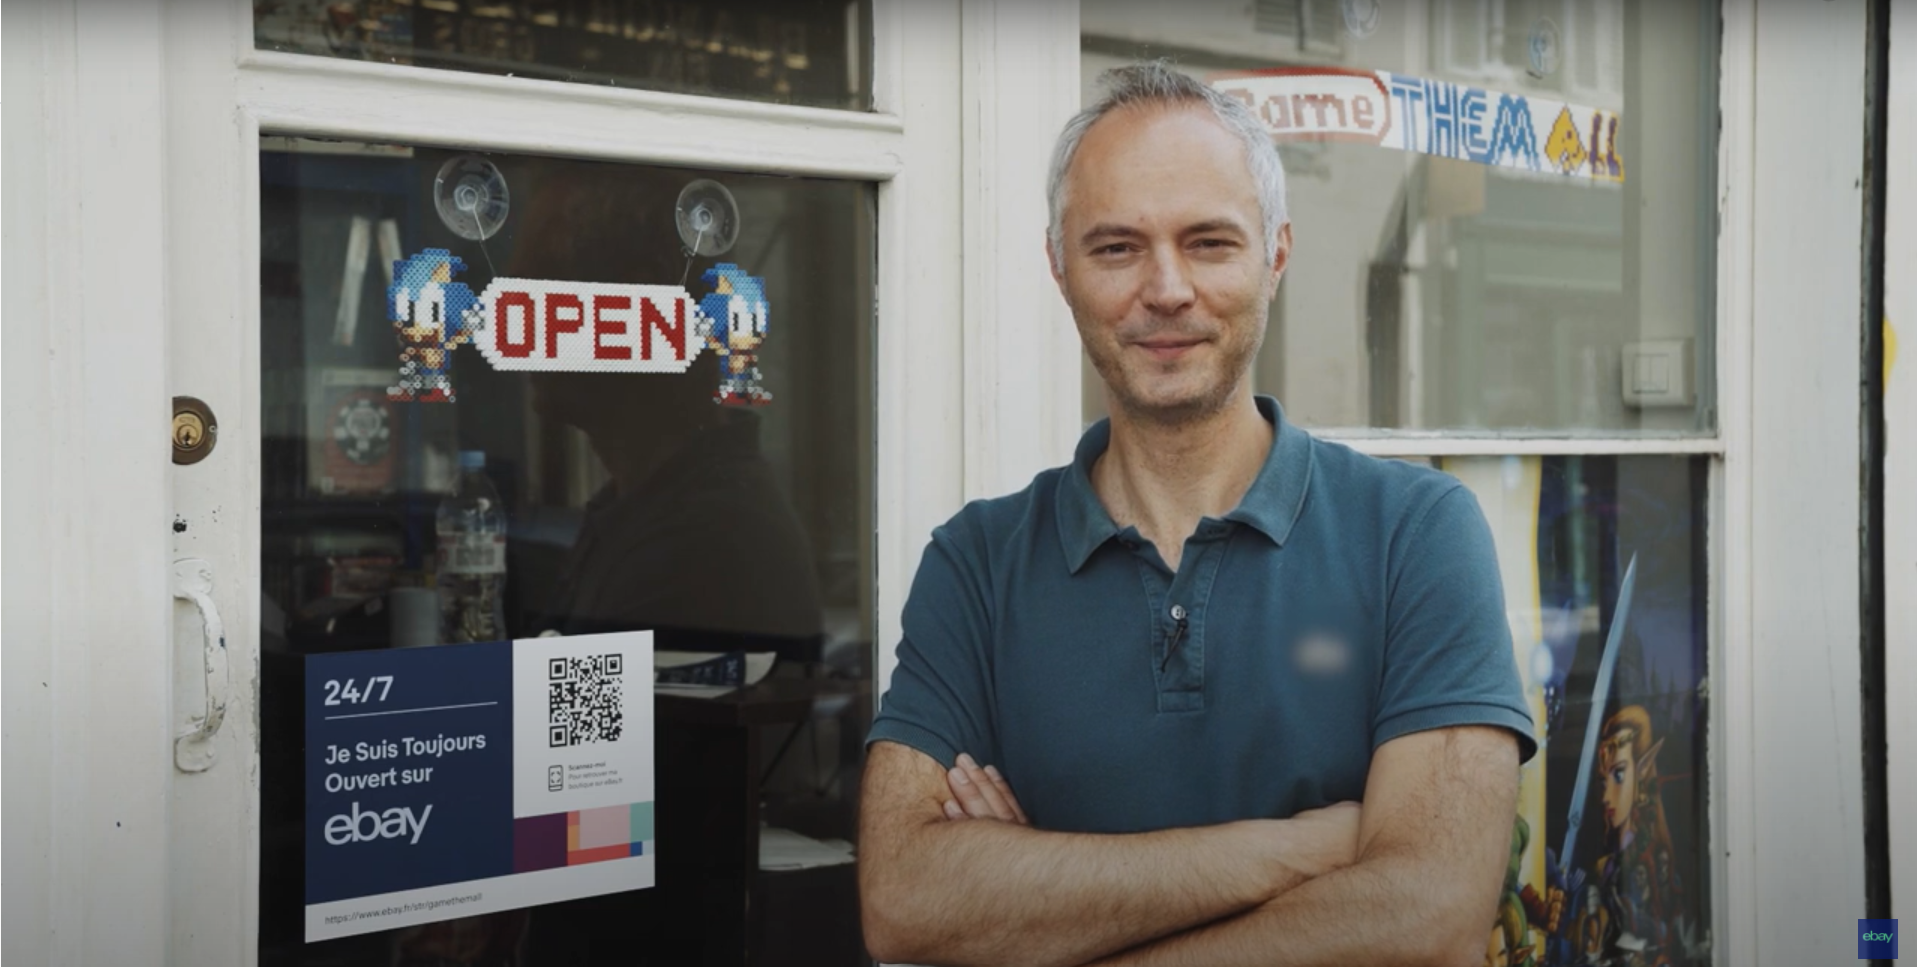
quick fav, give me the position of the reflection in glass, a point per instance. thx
(1435, 293)
(1635, 887)
(811, 52)
(631, 501)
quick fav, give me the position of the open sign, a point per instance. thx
(542, 325)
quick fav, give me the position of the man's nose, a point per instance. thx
(1168, 291)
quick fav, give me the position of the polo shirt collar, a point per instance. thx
(1271, 506)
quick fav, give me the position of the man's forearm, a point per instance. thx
(991, 893)
(1387, 912)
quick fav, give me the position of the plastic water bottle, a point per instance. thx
(471, 526)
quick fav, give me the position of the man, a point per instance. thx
(1188, 656)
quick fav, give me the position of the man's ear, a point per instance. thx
(1053, 260)
(1282, 256)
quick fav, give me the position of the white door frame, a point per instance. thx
(87, 748)
(1792, 405)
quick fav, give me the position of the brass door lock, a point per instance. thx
(194, 430)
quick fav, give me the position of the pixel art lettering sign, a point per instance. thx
(543, 325)
(1513, 132)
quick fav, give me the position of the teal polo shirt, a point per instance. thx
(1345, 602)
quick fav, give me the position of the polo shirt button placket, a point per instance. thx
(1178, 635)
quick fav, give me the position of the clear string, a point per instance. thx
(690, 253)
(479, 224)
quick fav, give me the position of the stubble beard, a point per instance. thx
(1228, 375)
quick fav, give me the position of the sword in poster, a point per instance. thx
(1600, 693)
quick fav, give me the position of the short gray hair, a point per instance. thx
(1158, 83)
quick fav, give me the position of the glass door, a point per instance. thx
(417, 491)
(555, 407)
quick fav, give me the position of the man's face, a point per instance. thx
(1163, 262)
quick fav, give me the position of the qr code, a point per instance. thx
(585, 699)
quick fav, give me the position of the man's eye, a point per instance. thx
(1214, 243)
(1112, 249)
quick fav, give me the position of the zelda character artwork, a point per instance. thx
(1604, 571)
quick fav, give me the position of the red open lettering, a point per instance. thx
(651, 318)
(603, 327)
(503, 304)
(544, 325)
(556, 324)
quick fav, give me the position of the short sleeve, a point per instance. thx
(1448, 655)
(940, 700)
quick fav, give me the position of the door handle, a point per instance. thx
(193, 750)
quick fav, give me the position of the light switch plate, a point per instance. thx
(1658, 372)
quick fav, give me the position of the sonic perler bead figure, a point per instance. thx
(736, 315)
(433, 316)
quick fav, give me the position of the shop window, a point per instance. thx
(726, 509)
(1547, 267)
(811, 52)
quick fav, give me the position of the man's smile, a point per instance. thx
(1167, 349)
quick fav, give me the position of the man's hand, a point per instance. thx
(1324, 840)
(981, 793)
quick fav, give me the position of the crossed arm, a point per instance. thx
(1415, 882)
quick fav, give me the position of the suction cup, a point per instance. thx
(1546, 48)
(1361, 16)
(707, 217)
(471, 196)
